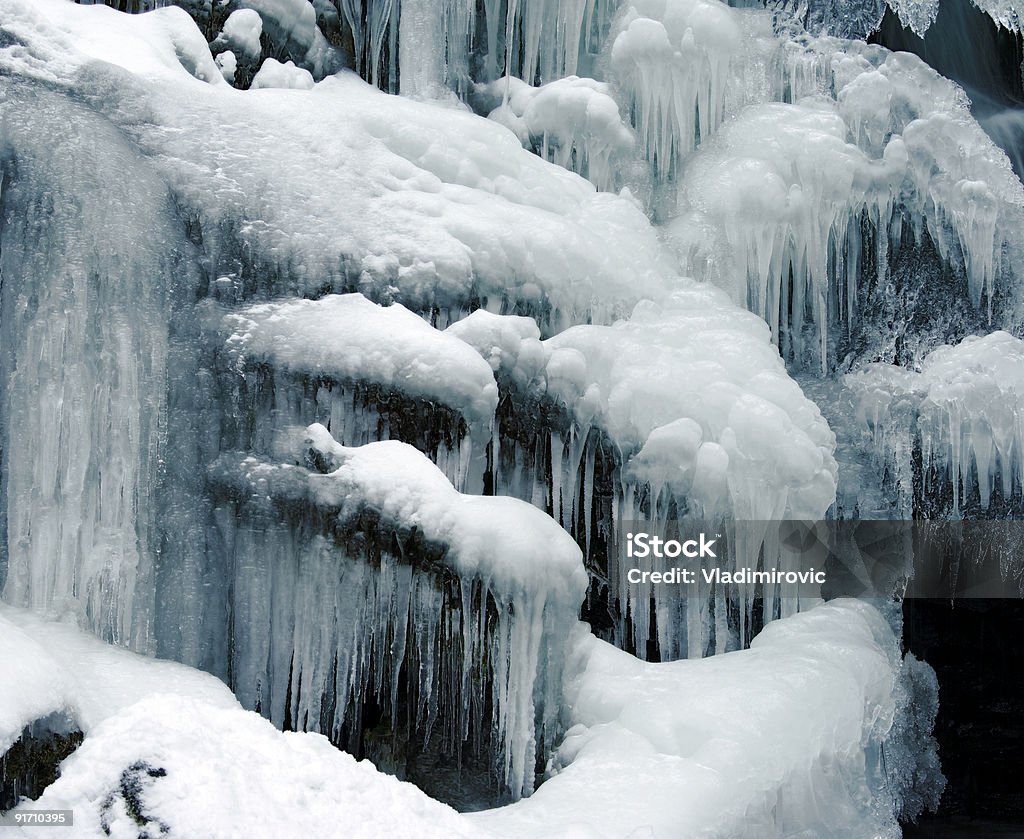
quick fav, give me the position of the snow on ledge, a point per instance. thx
(348, 338)
(507, 543)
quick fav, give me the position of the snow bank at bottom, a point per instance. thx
(783, 739)
(198, 770)
(53, 667)
(169, 746)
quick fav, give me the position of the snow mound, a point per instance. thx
(52, 666)
(171, 745)
(242, 32)
(273, 73)
(180, 766)
(963, 411)
(55, 39)
(708, 747)
(572, 122)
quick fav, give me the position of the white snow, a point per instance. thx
(964, 411)
(162, 42)
(768, 742)
(780, 740)
(52, 666)
(346, 185)
(227, 63)
(225, 772)
(242, 32)
(698, 406)
(507, 543)
(572, 122)
(698, 358)
(347, 337)
(273, 73)
(228, 772)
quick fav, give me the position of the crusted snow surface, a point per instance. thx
(707, 747)
(53, 666)
(573, 122)
(347, 186)
(781, 738)
(963, 411)
(274, 74)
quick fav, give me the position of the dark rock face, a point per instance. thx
(33, 761)
(975, 648)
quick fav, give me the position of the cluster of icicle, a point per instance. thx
(424, 604)
(434, 40)
(963, 413)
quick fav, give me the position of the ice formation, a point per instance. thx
(672, 60)
(388, 573)
(963, 413)
(861, 19)
(283, 483)
(572, 122)
(783, 192)
(662, 406)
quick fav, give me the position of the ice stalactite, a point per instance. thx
(651, 421)
(962, 415)
(450, 610)
(406, 44)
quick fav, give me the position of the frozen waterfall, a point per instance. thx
(344, 342)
